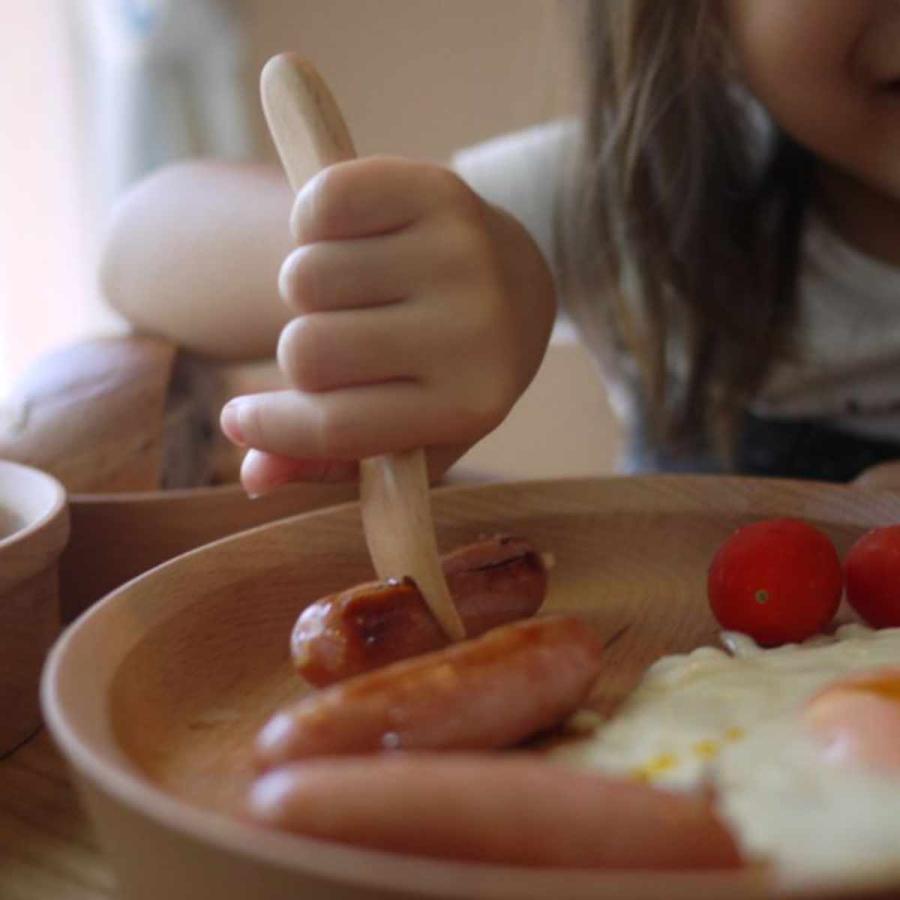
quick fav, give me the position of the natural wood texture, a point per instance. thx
(47, 846)
(93, 414)
(117, 536)
(155, 695)
(395, 505)
(310, 134)
(29, 600)
(306, 125)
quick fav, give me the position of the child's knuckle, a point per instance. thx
(255, 424)
(306, 283)
(328, 195)
(454, 191)
(483, 405)
(301, 352)
(333, 433)
(463, 250)
(481, 324)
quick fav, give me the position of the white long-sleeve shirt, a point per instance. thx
(843, 369)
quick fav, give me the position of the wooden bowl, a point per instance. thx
(156, 693)
(117, 536)
(34, 526)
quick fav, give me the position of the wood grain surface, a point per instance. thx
(29, 600)
(47, 847)
(131, 533)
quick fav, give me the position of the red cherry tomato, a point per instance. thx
(873, 576)
(780, 581)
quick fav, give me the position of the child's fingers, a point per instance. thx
(332, 275)
(373, 196)
(323, 351)
(349, 424)
(262, 473)
(361, 272)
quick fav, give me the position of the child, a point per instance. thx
(729, 246)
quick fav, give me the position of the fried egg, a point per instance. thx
(792, 739)
(857, 720)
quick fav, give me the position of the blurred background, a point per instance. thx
(96, 93)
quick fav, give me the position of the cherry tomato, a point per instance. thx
(873, 576)
(780, 581)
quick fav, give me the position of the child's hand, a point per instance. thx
(883, 477)
(422, 315)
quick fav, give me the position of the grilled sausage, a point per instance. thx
(494, 691)
(508, 809)
(492, 582)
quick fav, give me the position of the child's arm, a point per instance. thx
(415, 313)
(192, 254)
(883, 477)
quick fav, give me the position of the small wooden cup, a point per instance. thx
(34, 528)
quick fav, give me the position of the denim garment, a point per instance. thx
(774, 448)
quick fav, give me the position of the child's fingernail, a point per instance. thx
(255, 489)
(230, 422)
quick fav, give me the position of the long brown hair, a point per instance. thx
(687, 240)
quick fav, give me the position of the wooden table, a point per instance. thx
(47, 848)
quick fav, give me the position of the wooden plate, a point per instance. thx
(154, 695)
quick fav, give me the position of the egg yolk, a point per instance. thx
(657, 766)
(663, 764)
(857, 720)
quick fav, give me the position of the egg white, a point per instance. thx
(816, 822)
(732, 718)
